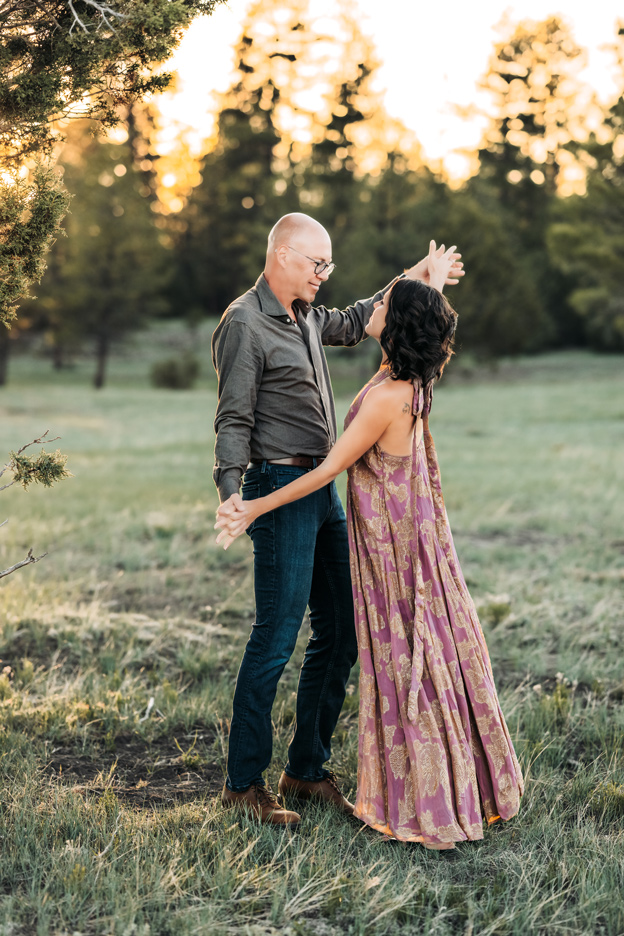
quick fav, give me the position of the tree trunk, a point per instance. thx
(4, 354)
(101, 356)
(58, 357)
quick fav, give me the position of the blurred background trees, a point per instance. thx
(586, 237)
(59, 60)
(539, 224)
(111, 237)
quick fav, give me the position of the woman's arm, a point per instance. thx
(375, 415)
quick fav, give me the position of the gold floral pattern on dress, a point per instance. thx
(389, 732)
(381, 650)
(397, 759)
(435, 756)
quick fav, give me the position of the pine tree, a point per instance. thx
(538, 104)
(586, 238)
(222, 231)
(248, 177)
(108, 275)
(283, 146)
(539, 108)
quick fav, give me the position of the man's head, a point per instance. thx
(297, 245)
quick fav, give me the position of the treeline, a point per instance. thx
(545, 263)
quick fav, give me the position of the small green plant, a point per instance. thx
(608, 800)
(6, 685)
(191, 758)
(25, 672)
(495, 612)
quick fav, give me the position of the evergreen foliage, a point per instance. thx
(45, 468)
(222, 244)
(586, 239)
(30, 214)
(538, 110)
(514, 299)
(543, 266)
(112, 270)
(62, 59)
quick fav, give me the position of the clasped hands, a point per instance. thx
(233, 517)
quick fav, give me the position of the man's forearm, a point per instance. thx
(347, 328)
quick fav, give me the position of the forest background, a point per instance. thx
(153, 237)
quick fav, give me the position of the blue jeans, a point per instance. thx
(301, 558)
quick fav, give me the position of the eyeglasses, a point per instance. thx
(320, 266)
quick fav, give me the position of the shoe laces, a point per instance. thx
(332, 779)
(266, 797)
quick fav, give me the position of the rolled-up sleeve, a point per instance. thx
(239, 363)
(347, 327)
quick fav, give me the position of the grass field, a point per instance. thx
(109, 814)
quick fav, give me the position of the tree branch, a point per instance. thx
(19, 565)
(46, 469)
(102, 8)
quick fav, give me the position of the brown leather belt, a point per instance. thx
(296, 461)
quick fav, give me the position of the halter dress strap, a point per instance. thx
(419, 398)
(422, 397)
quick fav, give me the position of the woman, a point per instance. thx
(435, 756)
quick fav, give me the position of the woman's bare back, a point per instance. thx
(398, 438)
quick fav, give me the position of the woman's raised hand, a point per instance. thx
(442, 264)
(421, 270)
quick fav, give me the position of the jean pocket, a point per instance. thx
(250, 491)
(283, 475)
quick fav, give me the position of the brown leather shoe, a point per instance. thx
(326, 790)
(262, 802)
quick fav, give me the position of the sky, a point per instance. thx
(432, 53)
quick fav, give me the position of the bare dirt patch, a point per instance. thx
(141, 772)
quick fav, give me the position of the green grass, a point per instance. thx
(109, 814)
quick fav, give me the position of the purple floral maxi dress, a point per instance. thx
(435, 756)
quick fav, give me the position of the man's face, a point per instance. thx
(304, 245)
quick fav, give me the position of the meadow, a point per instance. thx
(119, 653)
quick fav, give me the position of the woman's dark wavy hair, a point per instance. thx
(418, 335)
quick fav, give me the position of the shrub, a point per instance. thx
(175, 373)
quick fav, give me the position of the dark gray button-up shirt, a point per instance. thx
(274, 396)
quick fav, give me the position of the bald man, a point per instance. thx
(275, 420)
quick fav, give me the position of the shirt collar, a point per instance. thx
(270, 304)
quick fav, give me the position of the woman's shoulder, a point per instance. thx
(389, 392)
(388, 389)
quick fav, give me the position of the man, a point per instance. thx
(275, 420)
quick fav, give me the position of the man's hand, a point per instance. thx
(233, 517)
(231, 506)
(421, 271)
